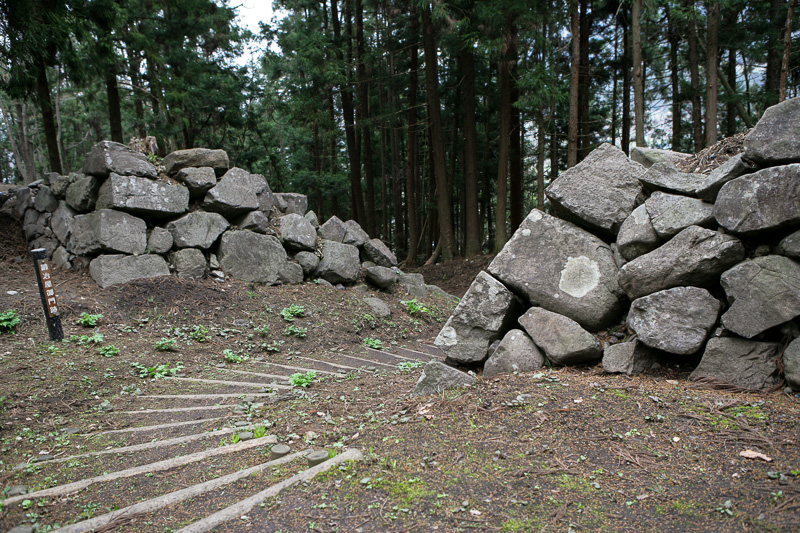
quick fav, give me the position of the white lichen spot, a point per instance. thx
(526, 232)
(447, 337)
(579, 276)
(535, 215)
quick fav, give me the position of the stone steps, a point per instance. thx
(157, 468)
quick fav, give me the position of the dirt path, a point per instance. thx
(562, 449)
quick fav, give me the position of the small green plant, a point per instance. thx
(414, 307)
(263, 331)
(89, 321)
(199, 333)
(108, 351)
(94, 338)
(295, 331)
(259, 431)
(157, 371)
(407, 366)
(8, 321)
(233, 357)
(292, 312)
(302, 380)
(165, 345)
(376, 344)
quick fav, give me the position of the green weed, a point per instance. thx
(8, 321)
(376, 344)
(157, 371)
(414, 307)
(302, 380)
(295, 331)
(89, 321)
(292, 312)
(108, 351)
(165, 345)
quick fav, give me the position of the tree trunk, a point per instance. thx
(134, 64)
(787, 49)
(614, 76)
(22, 160)
(730, 107)
(472, 243)
(674, 43)
(574, 74)
(353, 154)
(584, 82)
(411, 167)
(638, 74)
(114, 108)
(437, 136)
(540, 152)
(694, 76)
(515, 179)
(774, 49)
(626, 87)
(503, 149)
(48, 119)
(362, 116)
(712, 61)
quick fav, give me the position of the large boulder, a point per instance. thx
(515, 353)
(562, 340)
(648, 157)
(637, 236)
(354, 235)
(599, 192)
(290, 273)
(339, 264)
(142, 196)
(672, 213)
(238, 192)
(297, 233)
(675, 320)
(376, 251)
(791, 364)
(562, 268)
(82, 193)
(291, 202)
(189, 263)
(437, 377)
(60, 184)
(61, 222)
(731, 169)
(746, 364)
(108, 156)
(159, 241)
(764, 200)
(308, 261)
(631, 358)
(197, 157)
(257, 221)
(694, 257)
(667, 177)
(789, 246)
(107, 230)
(381, 277)
(776, 138)
(484, 314)
(333, 230)
(250, 256)
(45, 201)
(108, 270)
(197, 180)
(197, 230)
(763, 292)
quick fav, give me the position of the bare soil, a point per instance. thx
(563, 449)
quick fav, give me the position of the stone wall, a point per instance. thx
(640, 262)
(125, 219)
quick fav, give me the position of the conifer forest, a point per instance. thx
(435, 125)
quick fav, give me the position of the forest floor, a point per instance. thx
(563, 449)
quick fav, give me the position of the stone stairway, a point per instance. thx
(191, 454)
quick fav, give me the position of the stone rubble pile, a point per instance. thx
(124, 221)
(641, 263)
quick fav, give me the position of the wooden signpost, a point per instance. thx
(47, 291)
